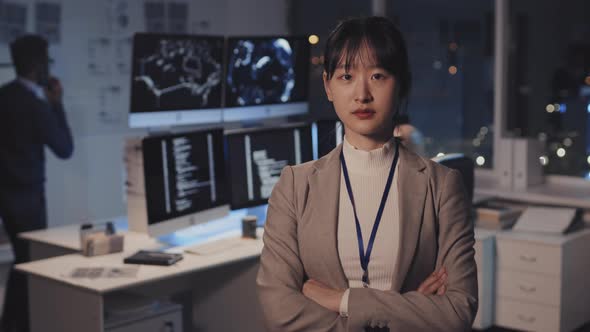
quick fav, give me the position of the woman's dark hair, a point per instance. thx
(379, 34)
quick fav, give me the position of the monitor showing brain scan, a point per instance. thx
(266, 70)
(176, 79)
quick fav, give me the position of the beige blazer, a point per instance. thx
(300, 243)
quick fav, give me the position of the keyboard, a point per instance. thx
(211, 228)
(200, 233)
(217, 246)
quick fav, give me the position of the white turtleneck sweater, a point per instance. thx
(368, 172)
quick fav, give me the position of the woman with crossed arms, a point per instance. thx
(371, 236)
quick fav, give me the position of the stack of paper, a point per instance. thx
(553, 220)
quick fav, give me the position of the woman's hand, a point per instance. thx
(323, 295)
(435, 283)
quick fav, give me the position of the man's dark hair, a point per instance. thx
(27, 52)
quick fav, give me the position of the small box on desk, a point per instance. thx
(100, 239)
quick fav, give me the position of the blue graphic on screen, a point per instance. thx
(266, 71)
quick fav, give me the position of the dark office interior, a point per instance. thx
(182, 114)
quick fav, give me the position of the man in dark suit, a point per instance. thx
(31, 117)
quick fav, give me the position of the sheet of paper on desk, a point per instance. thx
(545, 219)
(122, 272)
(104, 272)
(87, 272)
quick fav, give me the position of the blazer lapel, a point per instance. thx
(412, 187)
(324, 191)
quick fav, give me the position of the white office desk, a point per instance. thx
(58, 268)
(62, 240)
(62, 303)
(59, 302)
(553, 192)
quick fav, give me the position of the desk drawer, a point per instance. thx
(170, 322)
(525, 316)
(529, 257)
(529, 287)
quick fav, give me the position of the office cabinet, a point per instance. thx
(542, 281)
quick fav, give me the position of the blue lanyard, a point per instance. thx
(365, 258)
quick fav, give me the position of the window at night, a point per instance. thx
(451, 52)
(549, 81)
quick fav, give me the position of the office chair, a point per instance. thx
(464, 165)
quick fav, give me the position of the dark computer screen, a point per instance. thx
(184, 174)
(266, 70)
(329, 134)
(256, 158)
(175, 73)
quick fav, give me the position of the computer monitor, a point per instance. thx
(185, 181)
(266, 77)
(327, 134)
(176, 80)
(256, 158)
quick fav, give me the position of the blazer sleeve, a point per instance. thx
(281, 275)
(52, 127)
(412, 311)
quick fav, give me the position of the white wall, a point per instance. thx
(256, 17)
(90, 186)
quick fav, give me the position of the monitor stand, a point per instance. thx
(229, 225)
(156, 131)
